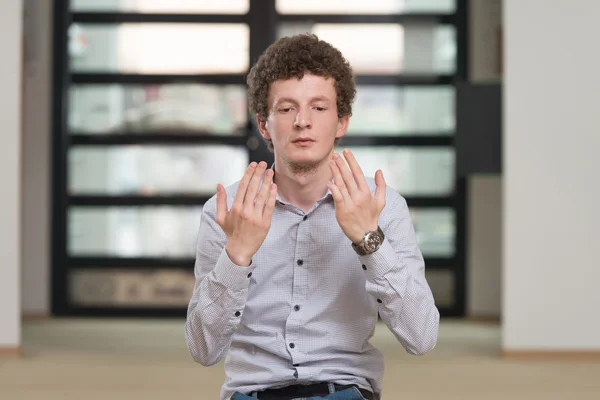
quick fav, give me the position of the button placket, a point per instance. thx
(300, 290)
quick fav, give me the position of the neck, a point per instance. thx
(302, 187)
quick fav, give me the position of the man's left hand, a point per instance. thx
(356, 208)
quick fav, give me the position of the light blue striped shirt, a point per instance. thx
(306, 307)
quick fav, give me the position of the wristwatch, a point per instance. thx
(370, 243)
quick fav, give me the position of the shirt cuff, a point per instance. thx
(231, 275)
(379, 263)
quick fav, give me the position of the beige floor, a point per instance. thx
(113, 360)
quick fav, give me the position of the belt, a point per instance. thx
(315, 389)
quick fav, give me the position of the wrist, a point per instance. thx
(237, 256)
(358, 236)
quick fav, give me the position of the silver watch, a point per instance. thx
(370, 243)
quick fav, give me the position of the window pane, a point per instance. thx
(442, 286)
(164, 6)
(416, 48)
(154, 170)
(133, 231)
(435, 230)
(381, 110)
(174, 288)
(127, 288)
(411, 171)
(364, 7)
(148, 48)
(200, 109)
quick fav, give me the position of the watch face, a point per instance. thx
(372, 241)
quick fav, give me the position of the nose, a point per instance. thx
(302, 120)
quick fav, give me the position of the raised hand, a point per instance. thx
(247, 223)
(356, 209)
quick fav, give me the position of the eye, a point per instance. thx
(320, 108)
(285, 110)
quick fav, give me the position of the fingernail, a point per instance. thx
(336, 156)
(253, 164)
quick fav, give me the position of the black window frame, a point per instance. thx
(263, 20)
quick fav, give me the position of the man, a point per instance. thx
(295, 262)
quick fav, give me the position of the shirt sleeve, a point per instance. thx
(395, 276)
(220, 293)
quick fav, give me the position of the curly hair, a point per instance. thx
(292, 57)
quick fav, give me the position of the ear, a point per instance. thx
(342, 126)
(262, 127)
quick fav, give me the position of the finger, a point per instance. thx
(339, 182)
(221, 204)
(253, 186)
(346, 174)
(338, 198)
(238, 201)
(380, 189)
(357, 173)
(263, 193)
(270, 206)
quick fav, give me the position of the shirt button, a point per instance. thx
(299, 262)
(250, 274)
(292, 345)
(305, 218)
(379, 301)
(364, 267)
(296, 308)
(296, 374)
(237, 314)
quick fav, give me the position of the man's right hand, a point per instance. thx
(249, 220)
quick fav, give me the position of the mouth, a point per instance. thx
(303, 141)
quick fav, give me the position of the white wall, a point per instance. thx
(36, 158)
(551, 181)
(10, 175)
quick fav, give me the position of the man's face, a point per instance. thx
(303, 122)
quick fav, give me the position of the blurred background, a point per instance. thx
(121, 117)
